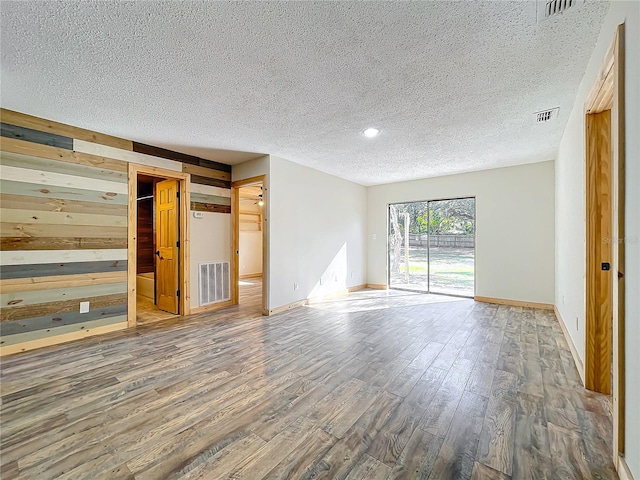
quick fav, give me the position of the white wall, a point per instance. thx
(317, 230)
(210, 242)
(514, 227)
(570, 213)
(250, 253)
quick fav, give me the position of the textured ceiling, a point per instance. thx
(451, 85)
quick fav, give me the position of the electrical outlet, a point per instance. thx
(374, 236)
(295, 286)
(84, 307)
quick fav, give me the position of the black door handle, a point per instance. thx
(158, 253)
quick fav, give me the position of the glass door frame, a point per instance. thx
(475, 228)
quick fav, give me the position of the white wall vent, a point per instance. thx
(214, 282)
(546, 115)
(550, 8)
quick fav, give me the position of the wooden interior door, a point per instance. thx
(167, 244)
(599, 278)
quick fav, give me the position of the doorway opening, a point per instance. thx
(158, 245)
(431, 246)
(249, 203)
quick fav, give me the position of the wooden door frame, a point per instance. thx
(235, 238)
(132, 233)
(608, 92)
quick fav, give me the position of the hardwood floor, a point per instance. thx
(250, 296)
(377, 385)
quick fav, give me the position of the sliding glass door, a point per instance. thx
(431, 246)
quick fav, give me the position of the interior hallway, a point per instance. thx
(374, 385)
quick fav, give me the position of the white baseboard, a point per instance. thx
(572, 347)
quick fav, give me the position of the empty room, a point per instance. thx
(304, 240)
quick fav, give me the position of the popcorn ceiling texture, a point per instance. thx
(451, 85)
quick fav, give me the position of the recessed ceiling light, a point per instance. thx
(371, 132)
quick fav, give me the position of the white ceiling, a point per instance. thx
(451, 85)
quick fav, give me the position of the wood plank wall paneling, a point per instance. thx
(62, 324)
(210, 207)
(35, 136)
(63, 226)
(60, 154)
(202, 198)
(36, 123)
(180, 157)
(65, 268)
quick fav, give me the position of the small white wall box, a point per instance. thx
(198, 215)
(84, 307)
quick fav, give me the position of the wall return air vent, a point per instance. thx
(546, 115)
(550, 8)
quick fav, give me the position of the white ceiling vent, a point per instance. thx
(550, 8)
(546, 115)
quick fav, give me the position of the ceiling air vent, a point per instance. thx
(546, 115)
(550, 8)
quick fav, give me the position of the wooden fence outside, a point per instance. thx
(455, 241)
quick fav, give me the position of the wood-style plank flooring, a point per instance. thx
(376, 385)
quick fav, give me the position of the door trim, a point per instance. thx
(608, 92)
(184, 254)
(235, 238)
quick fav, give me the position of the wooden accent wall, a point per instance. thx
(63, 225)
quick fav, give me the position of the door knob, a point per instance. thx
(158, 253)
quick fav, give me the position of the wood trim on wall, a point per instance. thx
(608, 93)
(185, 254)
(235, 239)
(574, 351)
(514, 303)
(209, 308)
(377, 286)
(618, 130)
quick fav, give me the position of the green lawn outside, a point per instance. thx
(452, 270)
